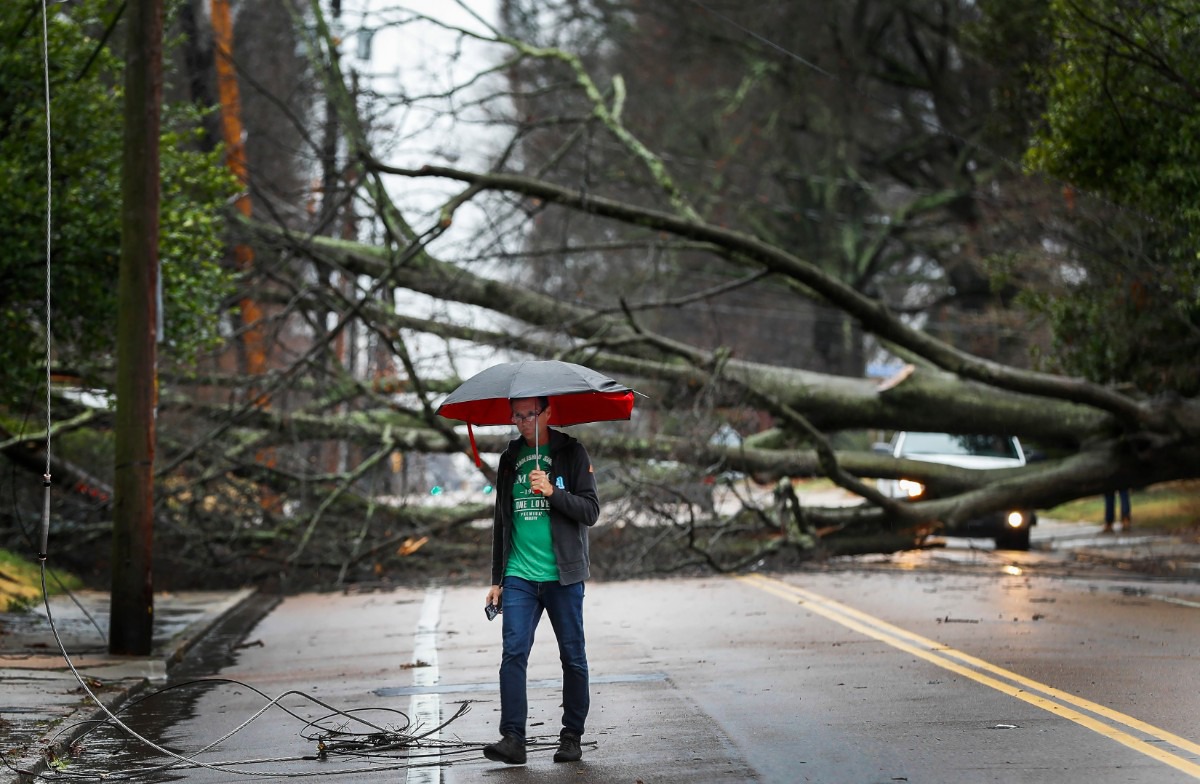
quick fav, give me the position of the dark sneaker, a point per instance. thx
(568, 747)
(510, 750)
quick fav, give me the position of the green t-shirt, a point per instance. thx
(532, 556)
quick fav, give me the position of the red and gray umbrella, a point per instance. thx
(577, 394)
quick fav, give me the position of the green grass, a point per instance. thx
(1170, 507)
(21, 582)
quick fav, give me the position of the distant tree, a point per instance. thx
(1120, 87)
(862, 136)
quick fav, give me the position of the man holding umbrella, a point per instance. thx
(545, 502)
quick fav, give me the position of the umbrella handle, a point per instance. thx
(537, 458)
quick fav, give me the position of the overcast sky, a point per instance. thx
(419, 58)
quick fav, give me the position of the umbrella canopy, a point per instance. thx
(577, 394)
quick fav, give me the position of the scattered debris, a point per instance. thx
(948, 619)
(411, 545)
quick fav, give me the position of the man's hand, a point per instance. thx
(539, 482)
(493, 595)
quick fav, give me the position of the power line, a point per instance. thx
(44, 544)
(929, 123)
(767, 41)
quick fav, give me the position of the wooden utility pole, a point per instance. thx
(131, 623)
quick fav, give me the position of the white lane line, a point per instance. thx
(425, 709)
(1173, 600)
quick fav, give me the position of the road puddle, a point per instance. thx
(112, 751)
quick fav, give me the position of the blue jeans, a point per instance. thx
(523, 603)
(1109, 503)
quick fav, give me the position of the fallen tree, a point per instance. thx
(325, 467)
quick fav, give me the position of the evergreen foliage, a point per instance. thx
(86, 125)
(1121, 122)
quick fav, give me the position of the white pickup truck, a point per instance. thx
(1010, 529)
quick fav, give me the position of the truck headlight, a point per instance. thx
(1015, 519)
(910, 488)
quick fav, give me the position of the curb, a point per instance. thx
(179, 645)
(1138, 551)
(57, 741)
(1185, 567)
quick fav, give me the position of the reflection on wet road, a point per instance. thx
(954, 664)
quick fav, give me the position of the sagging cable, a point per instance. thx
(44, 545)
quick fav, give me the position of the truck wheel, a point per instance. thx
(1014, 540)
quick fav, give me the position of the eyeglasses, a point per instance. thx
(532, 415)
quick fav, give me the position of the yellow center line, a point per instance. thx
(1080, 702)
(1055, 701)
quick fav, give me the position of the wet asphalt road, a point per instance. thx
(931, 667)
